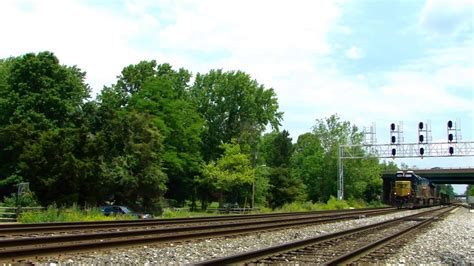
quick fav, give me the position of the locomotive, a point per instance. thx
(412, 191)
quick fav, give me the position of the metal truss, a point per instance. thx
(406, 150)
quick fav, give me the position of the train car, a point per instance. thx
(412, 191)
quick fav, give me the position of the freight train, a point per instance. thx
(409, 190)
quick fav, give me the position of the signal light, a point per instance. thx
(451, 150)
(422, 151)
(450, 137)
(421, 138)
(393, 139)
(420, 125)
(450, 124)
(394, 151)
(392, 126)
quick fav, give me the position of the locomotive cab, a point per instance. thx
(412, 191)
(402, 188)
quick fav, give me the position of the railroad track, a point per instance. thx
(23, 246)
(344, 247)
(36, 228)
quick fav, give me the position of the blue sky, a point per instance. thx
(369, 61)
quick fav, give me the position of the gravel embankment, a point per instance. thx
(450, 241)
(192, 252)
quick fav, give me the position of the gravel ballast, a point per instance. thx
(450, 241)
(441, 245)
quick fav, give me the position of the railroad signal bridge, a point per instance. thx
(452, 147)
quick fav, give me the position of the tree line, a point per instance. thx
(159, 133)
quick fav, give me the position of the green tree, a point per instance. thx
(233, 106)
(470, 190)
(40, 100)
(177, 119)
(276, 152)
(389, 166)
(231, 176)
(163, 93)
(307, 163)
(447, 189)
(134, 173)
(361, 177)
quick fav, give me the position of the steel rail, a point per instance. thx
(265, 252)
(349, 257)
(69, 226)
(12, 248)
(170, 230)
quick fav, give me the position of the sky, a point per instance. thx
(369, 61)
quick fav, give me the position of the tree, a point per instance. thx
(180, 124)
(470, 190)
(39, 103)
(307, 163)
(361, 177)
(231, 176)
(233, 106)
(276, 152)
(447, 189)
(389, 166)
(163, 93)
(135, 173)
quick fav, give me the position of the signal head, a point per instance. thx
(392, 126)
(420, 125)
(451, 150)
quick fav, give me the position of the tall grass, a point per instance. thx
(77, 214)
(332, 204)
(70, 214)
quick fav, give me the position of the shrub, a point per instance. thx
(71, 214)
(335, 204)
(27, 199)
(293, 207)
(356, 203)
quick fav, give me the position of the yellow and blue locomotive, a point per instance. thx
(412, 191)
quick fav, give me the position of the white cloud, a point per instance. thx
(354, 53)
(264, 38)
(94, 39)
(441, 17)
(283, 45)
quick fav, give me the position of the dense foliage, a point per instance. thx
(157, 134)
(470, 190)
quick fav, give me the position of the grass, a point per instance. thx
(76, 214)
(332, 204)
(71, 214)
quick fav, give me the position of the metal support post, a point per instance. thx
(340, 175)
(253, 193)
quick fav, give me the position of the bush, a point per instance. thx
(27, 199)
(376, 204)
(332, 204)
(335, 204)
(71, 214)
(293, 207)
(264, 210)
(356, 203)
(167, 213)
